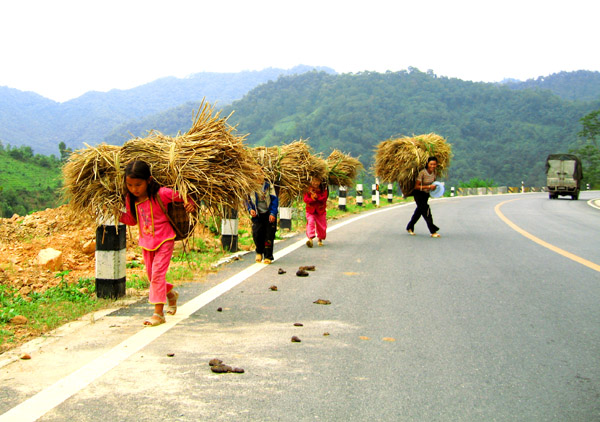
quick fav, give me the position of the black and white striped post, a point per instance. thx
(587, 186)
(229, 229)
(285, 218)
(522, 187)
(377, 190)
(111, 249)
(373, 194)
(342, 198)
(390, 196)
(359, 195)
(452, 191)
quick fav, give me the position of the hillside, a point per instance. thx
(27, 182)
(30, 119)
(496, 132)
(581, 85)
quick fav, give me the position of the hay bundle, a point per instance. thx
(402, 159)
(93, 181)
(289, 168)
(208, 164)
(342, 169)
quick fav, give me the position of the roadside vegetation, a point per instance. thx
(39, 313)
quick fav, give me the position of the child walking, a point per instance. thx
(316, 211)
(262, 207)
(156, 233)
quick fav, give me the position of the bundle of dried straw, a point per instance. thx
(401, 159)
(290, 168)
(207, 164)
(342, 169)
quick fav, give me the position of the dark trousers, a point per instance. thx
(423, 209)
(263, 234)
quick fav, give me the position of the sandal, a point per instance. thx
(155, 320)
(435, 235)
(172, 309)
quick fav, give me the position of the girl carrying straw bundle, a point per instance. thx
(316, 211)
(156, 233)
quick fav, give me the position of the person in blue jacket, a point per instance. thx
(262, 207)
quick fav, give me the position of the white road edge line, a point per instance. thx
(44, 401)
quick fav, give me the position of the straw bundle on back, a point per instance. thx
(93, 181)
(401, 159)
(208, 163)
(342, 169)
(289, 167)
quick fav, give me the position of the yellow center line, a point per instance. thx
(539, 241)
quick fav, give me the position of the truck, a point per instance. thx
(563, 175)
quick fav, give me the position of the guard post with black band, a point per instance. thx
(342, 199)
(111, 248)
(229, 229)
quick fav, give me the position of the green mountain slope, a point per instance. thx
(582, 85)
(27, 182)
(29, 119)
(496, 132)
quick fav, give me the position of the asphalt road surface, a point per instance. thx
(497, 320)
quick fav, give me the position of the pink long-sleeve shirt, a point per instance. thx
(154, 225)
(317, 205)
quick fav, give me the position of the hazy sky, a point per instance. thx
(62, 49)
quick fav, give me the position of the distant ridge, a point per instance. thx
(27, 118)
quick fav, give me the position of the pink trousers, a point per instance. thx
(157, 263)
(316, 221)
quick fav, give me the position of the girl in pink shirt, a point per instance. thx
(316, 211)
(157, 236)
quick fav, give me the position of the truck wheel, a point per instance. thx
(575, 197)
(550, 196)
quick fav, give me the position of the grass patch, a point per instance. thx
(45, 311)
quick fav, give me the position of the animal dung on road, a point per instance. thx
(322, 302)
(281, 271)
(301, 273)
(307, 268)
(296, 339)
(218, 367)
(273, 288)
(298, 324)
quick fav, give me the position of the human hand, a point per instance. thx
(253, 213)
(271, 218)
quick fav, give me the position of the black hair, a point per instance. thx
(138, 169)
(432, 158)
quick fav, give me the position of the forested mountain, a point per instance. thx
(28, 182)
(29, 119)
(496, 132)
(581, 85)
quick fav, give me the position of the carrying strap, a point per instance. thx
(162, 207)
(183, 241)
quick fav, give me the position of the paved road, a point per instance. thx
(485, 323)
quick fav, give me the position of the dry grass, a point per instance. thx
(209, 164)
(290, 168)
(342, 169)
(402, 159)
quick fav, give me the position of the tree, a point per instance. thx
(589, 151)
(591, 127)
(64, 151)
